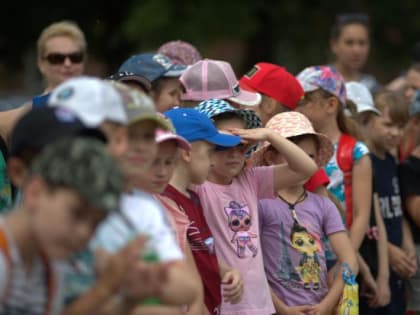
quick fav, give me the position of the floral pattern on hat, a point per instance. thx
(323, 77)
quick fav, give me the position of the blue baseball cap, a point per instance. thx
(195, 126)
(152, 66)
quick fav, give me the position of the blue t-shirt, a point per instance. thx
(386, 184)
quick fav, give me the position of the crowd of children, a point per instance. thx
(172, 187)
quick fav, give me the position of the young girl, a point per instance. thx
(229, 198)
(293, 224)
(325, 98)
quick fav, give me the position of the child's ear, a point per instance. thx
(33, 189)
(332, 105)
(16, 169)
(185, 155)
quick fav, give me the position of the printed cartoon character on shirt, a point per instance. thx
(240, 221)
(309, 266)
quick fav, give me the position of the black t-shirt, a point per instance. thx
(409, 172)
(386, 185)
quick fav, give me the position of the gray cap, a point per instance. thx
(83, 165)
(415, 104)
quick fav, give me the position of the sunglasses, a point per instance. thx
(58, 58)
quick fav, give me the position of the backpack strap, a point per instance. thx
(4, 247)
(49, 274)
(346, 145)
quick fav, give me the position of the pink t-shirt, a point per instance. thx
(231, 212)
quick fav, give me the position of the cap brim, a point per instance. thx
(160, 121)
(180, 141)
(224, 140)
(175, 71)
(246, 98)
(142, 81)
(366, 108)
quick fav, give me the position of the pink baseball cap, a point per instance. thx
(165, 135)
(208, 79)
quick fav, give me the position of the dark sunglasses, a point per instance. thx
(58, 58)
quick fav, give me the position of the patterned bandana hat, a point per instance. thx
(325, 78)
(214, 107)
(180, 52)
(292, 124)
(83, 165)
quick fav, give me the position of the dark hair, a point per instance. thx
(297, 139)
(227, 116)
(342, 20)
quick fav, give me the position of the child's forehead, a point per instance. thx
(232, 122)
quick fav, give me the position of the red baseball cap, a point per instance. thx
(273, 81)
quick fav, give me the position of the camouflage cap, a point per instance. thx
(138, 106)
(83, 165)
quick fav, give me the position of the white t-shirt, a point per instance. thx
(140, 214)
(28, 293)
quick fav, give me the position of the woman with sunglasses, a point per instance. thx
(350, 44)
(61, 50)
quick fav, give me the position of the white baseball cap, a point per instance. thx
(361, 97)
(91, 99)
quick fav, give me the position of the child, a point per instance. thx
(208, 79)
(229, 198)
(162, 73)
(279, 89)
(193, 168)
(374, 270)
(293, 225)
(69, 189)
(380, 132)
(325, 98)
(409, 181)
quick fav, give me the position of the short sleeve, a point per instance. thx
(263, 181)
(360, 150)
(332, 220)
(4, 272)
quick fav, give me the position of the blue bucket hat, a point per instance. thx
(152, 66)
(195, 126)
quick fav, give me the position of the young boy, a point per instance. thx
(69, 189)
(380, 132)
(162, 73)
(279, 89)
(410, 193)
(192, 169)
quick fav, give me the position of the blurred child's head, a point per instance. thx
(162, 73)
(413, 81)
(208, 79)
(296, 128)
(279, 89)
(143, 122)
(97, 104)
(69, 189)
(349, 40)
(158, 176)
(200, 131)
(325, 97)
(180, 52)
(229, 162)
(384, 132)
(36, 130)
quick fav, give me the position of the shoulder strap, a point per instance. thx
(345, 149)
(4, 247)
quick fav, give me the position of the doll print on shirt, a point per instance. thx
(304, 270)
(240, 222)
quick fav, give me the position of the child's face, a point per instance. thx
(201, 157)
(63, 222)
(160, 173)
(313, 107)
(383, 132)
(169, 95)
(142, 149)
(117, 139)
(230, 162)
